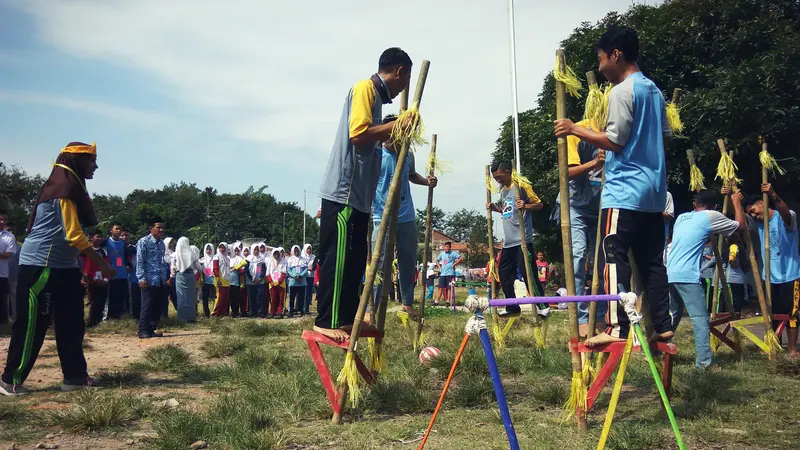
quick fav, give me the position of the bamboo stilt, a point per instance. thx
(524, 247)
(766, 255)
(592, 81)
(380, 314)
(427, 247)
(720, 241)
(766, 312)
(369, 281)
(566, 240)
(723, 279)
(490, 228)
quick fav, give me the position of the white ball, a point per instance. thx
(428, 354)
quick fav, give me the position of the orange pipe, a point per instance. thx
(444, 390)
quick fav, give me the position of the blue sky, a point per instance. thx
(242, 92)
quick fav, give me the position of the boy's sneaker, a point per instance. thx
(544, 312)
(77, 385)
(12, 390)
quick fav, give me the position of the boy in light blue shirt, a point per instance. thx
(691, 233)
(634, 196)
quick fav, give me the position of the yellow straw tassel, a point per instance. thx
(490, 186)
(726, 170)
(496, 330)
(589, 372)
(524, 183)
(577, 397)
(539, 335)
(567, 76)
(596, 109)
(350, 376)
(696, 179)
(674, 118)
(493, 271)
(377, 356)
(439, 165)
(771, 339)
(408, 128)
(769, 163)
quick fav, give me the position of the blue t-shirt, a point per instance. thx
(636, 176)
(116, 257)
(388, 163)
(446, 260)
(690, 235)
(784, 260)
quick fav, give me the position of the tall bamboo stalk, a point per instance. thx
(369, 281)
(380, 314)
(722, 278)
(427, 247)
(766, 255)
(566, 235)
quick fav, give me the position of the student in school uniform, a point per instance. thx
(96, 283)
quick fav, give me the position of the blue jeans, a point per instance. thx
(406, 252)
(693, 297)
(584, 232)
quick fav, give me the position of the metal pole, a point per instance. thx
(283, 242)
(515, 112)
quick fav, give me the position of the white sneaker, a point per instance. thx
(543, 312)
(12, 390)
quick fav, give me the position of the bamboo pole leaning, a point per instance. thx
(418, 342)
(577, 403)
(378, 360)
(349, 377)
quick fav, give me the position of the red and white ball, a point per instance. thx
(428, 354)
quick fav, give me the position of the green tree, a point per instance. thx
(18, 191)
(736, 62)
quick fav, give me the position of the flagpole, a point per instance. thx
(515, 115)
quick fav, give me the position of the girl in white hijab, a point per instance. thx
(297, 267)
(256, 272)
(169, 252)
(184, 263)
(311, 262)
(276, 274)
(207, 292)
(237, 265)
(222, 275)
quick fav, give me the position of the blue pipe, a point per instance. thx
(498, 390)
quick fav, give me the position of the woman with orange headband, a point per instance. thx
(49, 277)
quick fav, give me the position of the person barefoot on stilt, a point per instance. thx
(347, 191)
(635, 192)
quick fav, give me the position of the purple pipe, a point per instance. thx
(556, 299)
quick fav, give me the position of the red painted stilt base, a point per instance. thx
(314, 339)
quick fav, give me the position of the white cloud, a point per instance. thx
(273, 75)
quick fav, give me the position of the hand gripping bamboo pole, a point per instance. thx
(427, 246)
(566, 241)
(369, 281)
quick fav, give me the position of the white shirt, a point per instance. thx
(8, 243)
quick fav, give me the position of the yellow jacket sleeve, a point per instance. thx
(361, 107)
(240, 265)
(72, 226)
(573, 159)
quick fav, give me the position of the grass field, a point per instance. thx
(250, 384)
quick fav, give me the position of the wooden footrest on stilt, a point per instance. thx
(314, 339)
(615, 351)
(741, 326)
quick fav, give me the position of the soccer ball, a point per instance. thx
(428, 354)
